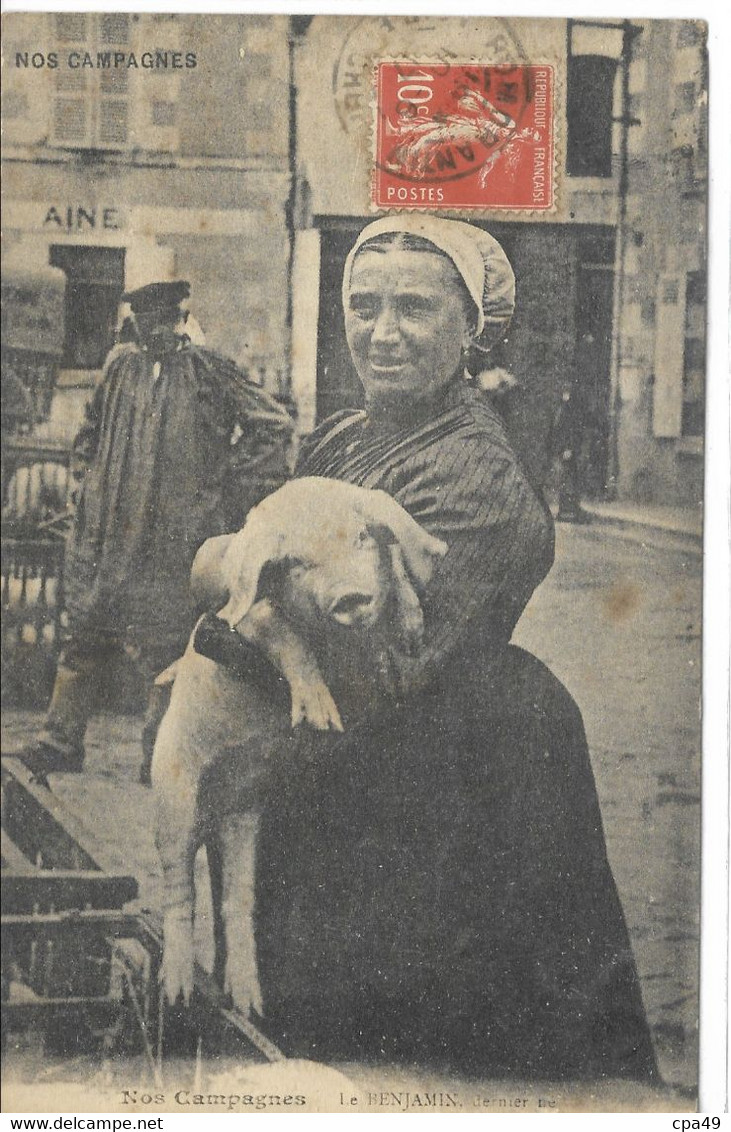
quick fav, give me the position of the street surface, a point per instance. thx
(620, 624)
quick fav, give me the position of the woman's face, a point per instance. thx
(406, 323)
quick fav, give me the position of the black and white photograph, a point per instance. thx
(353, 418)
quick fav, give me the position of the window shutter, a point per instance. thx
(694, 367)
(113, 34)
(114, 30)
(71, 124)
(667, 402)
(156, 110)
(18, 112)
(71, 113)
(15, 105)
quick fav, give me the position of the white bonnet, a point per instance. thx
(477, 256)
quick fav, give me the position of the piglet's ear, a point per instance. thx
(248, 552)
(420, 550)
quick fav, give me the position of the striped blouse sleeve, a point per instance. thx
(476, 498)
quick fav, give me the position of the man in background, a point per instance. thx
(176, 446)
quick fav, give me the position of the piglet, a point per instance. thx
(342, 556)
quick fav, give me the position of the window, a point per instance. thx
(90, 103)
(680, 355)
(94, 286)
(694, 355)
(164, 113)
(686, 97)
(117, 88)
(15, 104)
(690, 34)
(589, 111)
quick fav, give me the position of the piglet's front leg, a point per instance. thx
(237, 839)
(268, 628)
(176, 836)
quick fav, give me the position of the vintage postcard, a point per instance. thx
(352, 480)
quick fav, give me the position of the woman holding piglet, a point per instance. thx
(433, 886)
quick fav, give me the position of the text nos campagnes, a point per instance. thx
(107, 60)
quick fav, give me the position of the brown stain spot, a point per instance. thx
(622, 601)
(678, 595)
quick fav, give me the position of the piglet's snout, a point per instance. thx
(354, 608)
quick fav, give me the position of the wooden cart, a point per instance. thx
(80, 964)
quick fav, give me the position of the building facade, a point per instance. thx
(178, 164)
(610, 283)
(661, 324)
(236, 152)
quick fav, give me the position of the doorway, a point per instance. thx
(592, 384)
(94, 286)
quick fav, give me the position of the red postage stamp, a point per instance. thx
(464, 136)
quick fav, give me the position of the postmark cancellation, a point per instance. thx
(463, 136)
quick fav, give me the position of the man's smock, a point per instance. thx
(166, 442)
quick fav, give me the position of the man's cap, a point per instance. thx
(157, 296)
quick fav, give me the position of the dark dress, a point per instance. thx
(433, 886)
